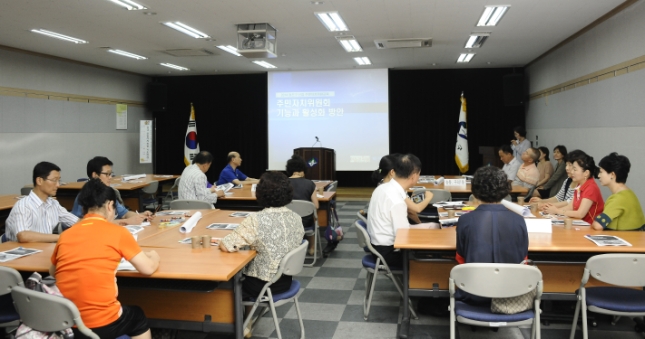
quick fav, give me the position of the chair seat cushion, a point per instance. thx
(483, 313)
(370, 262)
(616, 298)
(290, 293)
(7, 311)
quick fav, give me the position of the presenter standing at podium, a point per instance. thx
(231, 173)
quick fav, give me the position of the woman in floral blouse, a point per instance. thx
(272, 232)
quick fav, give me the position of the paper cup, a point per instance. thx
(520, 200)
(568, 223)
(196, 241)
(206, 241)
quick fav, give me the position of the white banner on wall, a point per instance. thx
(121, 116)
(145, 142)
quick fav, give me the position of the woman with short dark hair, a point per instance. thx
(272, 232)
(303, 189)
(520, 144)
(623, 211)
(491, 233)
(559, 175)
(545, 168)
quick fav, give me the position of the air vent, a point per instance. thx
(189, 52)
(403, 43)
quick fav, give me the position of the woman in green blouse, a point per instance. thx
(623, 211)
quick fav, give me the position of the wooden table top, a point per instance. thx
(171, 237)
(129, 185)
(182, 263)
(7, 201)
(560, 240)
(154, 228)
(245, 193)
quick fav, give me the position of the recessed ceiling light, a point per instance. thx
(179, 68)
(127, 54)
(476, 40)
(186, 30)
(349, 43)
(332, 21)
(264, 64)
(59, 36)
(465, 57)
(492, 15)
(229, 49)
(317, 2)
(363, 61)
(129, 5)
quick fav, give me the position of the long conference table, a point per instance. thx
(462, 192)
(193, 289)
(244, 199)
(429, 255)
(130, 191)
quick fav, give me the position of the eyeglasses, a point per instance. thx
(56, 181)
(108, 174)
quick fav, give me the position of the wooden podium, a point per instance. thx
(321, 162)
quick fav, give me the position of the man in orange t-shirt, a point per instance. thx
(85, 260)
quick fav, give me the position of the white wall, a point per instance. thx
(64, 132)
(602, 117)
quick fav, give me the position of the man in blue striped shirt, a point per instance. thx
(34, 217)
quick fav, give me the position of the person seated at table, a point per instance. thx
(101, 168)
(192, 185)
(303, 189)
(565, 194)
(511, 163)
(587, 201)
(272, 233)
(527, 174)
(85, 261)
(232, 173)
(385, 173)
(388, 210)
(623, 211)
(491, 233)
(520, 144)
(544, 166)
(559, 175)
(34, 217)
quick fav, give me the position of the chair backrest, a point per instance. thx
(332, 187)
(190, 205)
(3, 238)
(621, 269)
(440, 195)
(25, 191)
(361, 233)
(291, 263)
(361, 217)
(303, 208)
(9, 278)
(152, 188)
(492, 280)
(47, 313)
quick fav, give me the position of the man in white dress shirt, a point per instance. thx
(388, 211)
(192, 185)
(511, 163)
(33, 218)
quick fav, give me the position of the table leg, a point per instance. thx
(405, 320)
(239, 308)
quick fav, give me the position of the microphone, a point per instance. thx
(317, 141)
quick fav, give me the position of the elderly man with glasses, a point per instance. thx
(34, 217)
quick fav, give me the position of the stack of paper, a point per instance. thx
(128, 177)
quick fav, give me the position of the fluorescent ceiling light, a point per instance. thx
(492, 15)
(332, 21)
(476, 40)
(363, 61)
(349, 43)
(129, 5)
(187, 30)
(465, 57)
(229, 49)
(127, 54)
(59, 36)
(264, 64)
(179, 68)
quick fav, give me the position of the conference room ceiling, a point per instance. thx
(527, 30)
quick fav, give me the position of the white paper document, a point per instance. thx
(187, 227)
(534, 225)
(16, 253)
(128, 177)
(222, 226)
(521, 210)
(607, 240)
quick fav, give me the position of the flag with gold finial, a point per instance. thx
(461, 148)
(191, 145)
